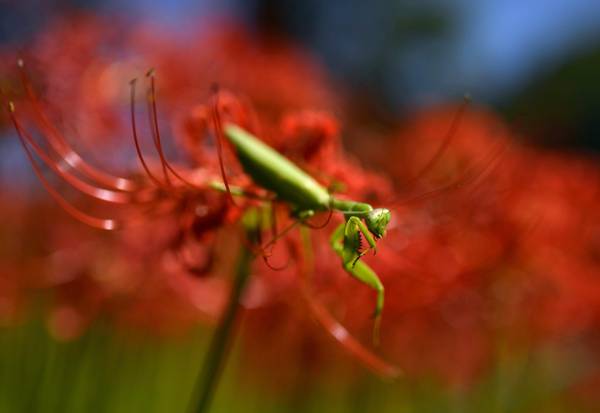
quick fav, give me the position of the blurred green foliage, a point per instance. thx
(107, 371)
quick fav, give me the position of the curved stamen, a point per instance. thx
(271, 244)
(153, 122)
(156, 134)
(260, 251)
(280, 235)
(333, 327)
(136, 141)
(273, 267)
(340, 334)
(101, 223)
(320, 226)
(102, 194)
(219, 134)
(60, 145)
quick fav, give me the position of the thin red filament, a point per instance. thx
(101, 223)
(471, 176)
(153, 122)
(333, 327)
(219, 134)
(60, 145)
(156, 134)
(447, 139)
(136, 138)
(106, 195)
(324, 224)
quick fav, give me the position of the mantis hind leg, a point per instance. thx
(345, 242)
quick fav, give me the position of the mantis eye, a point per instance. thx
(377, 221)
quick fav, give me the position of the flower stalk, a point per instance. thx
(224, 336)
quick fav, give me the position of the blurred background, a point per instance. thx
(393, 73)
(528, 60)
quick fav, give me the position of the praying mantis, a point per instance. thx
(305, 197)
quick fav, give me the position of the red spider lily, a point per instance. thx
(433, 263)
(154, 196)
(491, 238)
(458, 244)
(319, 134)
(510, 254)
(96, 55)
(68, 316)
(312, 140)
(560, 251)
(165, 189)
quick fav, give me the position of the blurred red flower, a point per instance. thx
(125, 276)
(489, 239)
(509, 254)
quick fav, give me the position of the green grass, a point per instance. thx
(108, 371)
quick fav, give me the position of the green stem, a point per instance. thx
(218, 350)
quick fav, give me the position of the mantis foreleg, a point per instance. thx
(346, 243)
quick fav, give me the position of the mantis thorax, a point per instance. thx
(376, 219)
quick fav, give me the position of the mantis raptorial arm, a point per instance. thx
(346, 243)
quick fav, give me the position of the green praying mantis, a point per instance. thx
(306, 197)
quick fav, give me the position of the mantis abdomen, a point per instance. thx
(276, 173)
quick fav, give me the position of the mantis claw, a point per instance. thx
(342, 243)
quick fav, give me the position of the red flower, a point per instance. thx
(510, 252)
(488, 239)
(188, 221)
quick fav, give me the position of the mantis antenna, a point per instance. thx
(447, 139)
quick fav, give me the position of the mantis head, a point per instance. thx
(377, 221)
